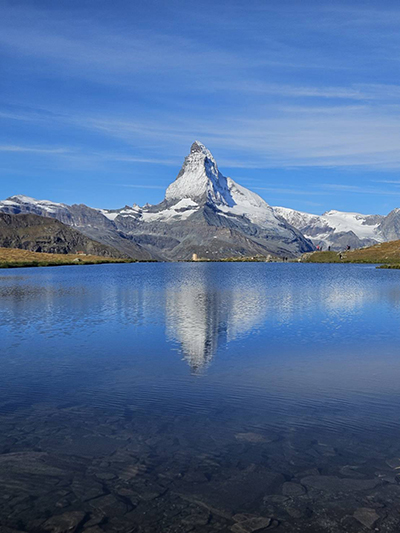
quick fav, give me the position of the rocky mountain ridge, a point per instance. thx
(42, 234)
(339, 229)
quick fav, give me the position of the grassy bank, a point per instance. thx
(387, 253)
(13, 258)
(394, 266)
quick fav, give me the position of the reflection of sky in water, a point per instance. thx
(309, 343)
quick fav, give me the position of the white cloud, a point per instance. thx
(34, 150)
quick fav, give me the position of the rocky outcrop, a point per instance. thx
(40, 234)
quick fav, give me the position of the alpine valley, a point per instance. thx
(206, 213)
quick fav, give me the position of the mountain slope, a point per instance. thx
(389, 227)
(384, 252)
(90, 222)
(335, 228)
(42, 234)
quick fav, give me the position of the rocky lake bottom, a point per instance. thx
(200, 397)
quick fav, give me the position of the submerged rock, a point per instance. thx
(394, 463)
(64, 523)
(336, 484)
(249, 523)
(367, 517)
(292, 489)
(251, 437)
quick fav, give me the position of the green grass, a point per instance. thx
(322, 257)
(395, 267)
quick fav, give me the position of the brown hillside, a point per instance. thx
(385, 252)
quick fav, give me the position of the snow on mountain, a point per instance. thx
(297, 219)
(199, 179)
(361, 225)
(205, 212)
(21, 203)
(334, 227)
(200, 182)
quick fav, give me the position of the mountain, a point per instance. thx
(206, 213)
(209, 214)
(90, 222)
(203, 212)
(389, 228)
(42, 234)
(338, 229)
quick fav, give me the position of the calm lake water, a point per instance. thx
(200, 397)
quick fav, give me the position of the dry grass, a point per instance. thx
(386, 252)
(11, 257)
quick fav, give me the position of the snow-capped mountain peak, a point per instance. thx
(197, 146)
(21, 203)
(335, 228)
(199, 179)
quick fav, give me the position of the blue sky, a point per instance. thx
(297, 100)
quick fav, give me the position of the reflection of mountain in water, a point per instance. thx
(201, 316)
(207, 307)
(204, 305)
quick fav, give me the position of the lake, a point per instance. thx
(231, 397)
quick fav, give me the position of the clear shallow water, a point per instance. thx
(173, 397)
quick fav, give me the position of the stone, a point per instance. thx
(92, 446)
(240, 491)
(95, 520)
(351, 471)
(394, 463)
(109, 506)
(294, 512)
(293, 489)
(254, 438)
(197, 517)
(64, 523)
(106, 476)
(367, 517)
(335, 484)
(250, 525)
(29, 463)
(87, 489)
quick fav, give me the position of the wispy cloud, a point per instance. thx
(296, 136)
(290, 191)
(393, 182)
(34, 150)
(359, 189)
(140, 186)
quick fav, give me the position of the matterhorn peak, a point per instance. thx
(199, 179)
(197, 146)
